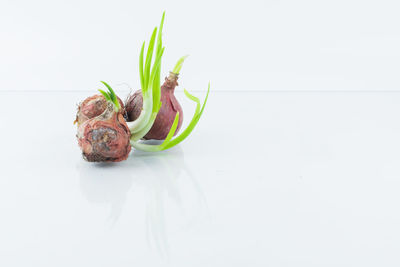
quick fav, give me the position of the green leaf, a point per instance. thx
(178, 65)
(105, 94)
(168, 143)
(173, 129)
(205, 100)
(143, 124)
(150, 74)
(159, 37)
(139, 134)
(113, 96)
(155, 148)
(145, 116)
(155, 80)
(142, 81)
(149, 56)
(191, 97)
(193, 122)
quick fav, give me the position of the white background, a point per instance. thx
(295, 161)
(237, 45)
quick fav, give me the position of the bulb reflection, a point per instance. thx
(160, 176)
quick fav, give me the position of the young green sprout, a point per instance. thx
(166, 114)
(152, 112)
(105, 137)
(165, 120)
(169, 142)
(150, 82)
(111, 97)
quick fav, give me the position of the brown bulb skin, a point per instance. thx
(105, 138)
(165, 117)
(92, 107)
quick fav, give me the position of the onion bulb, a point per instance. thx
(152, 113)
(106, 137)
(169, 108)
(92, 107)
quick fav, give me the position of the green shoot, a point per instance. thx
(178, 65)
(149, 56)
(150, 82)
(142, 82)
(110, 96)
(159, 37)
(105, 94)
(138, 135)
(168, 143)
(173, 129)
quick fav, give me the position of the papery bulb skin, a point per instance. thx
(165, 117)
(92, 107)
(133, 106)
(105, 138)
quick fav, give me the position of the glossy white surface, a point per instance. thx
(266, 179)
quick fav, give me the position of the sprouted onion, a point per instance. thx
(105, 135)
(105, 138)
(168, 110)
(92, 107)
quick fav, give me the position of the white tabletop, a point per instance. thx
(266, 179)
